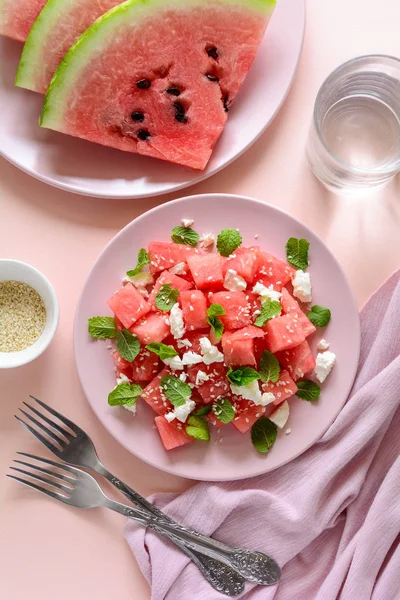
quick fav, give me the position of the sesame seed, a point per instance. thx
(22, 316)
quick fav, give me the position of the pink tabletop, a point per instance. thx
(43, 544)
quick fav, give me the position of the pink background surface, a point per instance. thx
(43, 543)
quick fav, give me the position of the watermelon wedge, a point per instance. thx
(57, 27)
(18, 16)
(157, 77)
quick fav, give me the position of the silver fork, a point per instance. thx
(81, 490)
(77, 448)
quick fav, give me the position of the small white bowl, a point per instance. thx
(19, 271)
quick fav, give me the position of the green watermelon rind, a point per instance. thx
(80, 53)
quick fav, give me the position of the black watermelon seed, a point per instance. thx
(213, 53)
(181, 117)
(173, 91)
(179, 108)
(143, 134)
(212, 77)
(143, 84)
(137, 116)
(225, 101)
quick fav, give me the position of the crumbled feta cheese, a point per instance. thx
(191, 358)
(122, 379)
(211, 354)
(267, 398)
(234, 282)
(183, 377)
(302, 286)
(187, 222)
(176, 322)
(252, 392)
(170, 416)
(175, 363)
(184, 344)
(178, 269)
(280, 415)
(266, 292)
(323, 345)
(324, 364)
(207, 241)
(131, 409)
(141, 279)
(288, 431)
(182, 412)
(201, 377)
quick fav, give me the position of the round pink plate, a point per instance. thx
(234, 457)
(85, 168)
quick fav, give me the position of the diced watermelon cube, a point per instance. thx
(238, 352)
(194, 338)
(118, 324)
(164, 255)
(247, 333)
(292, 307)
(154, 396)
(282, 389)
(236, 307)
(194, 307)
(298, 361)
(244, 261)
(282, 333)
(145, 366)
(272, 271)
(152, 328)
(173, 435)
(247, 414)
(121, 364)
(213, 419)
(206, 270)
(216, 386)
(128, 305)
(168, 278)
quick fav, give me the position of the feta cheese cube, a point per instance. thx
(210, 353)
(280, 415)
(191, 358)
(266, 292)
(182, 412)
(122, 379)
(184, 344)
(132, 409)
(201, 377)
(323, 345)
(176, 322)
(175, 363)
(187, 222)
(302, 286)
(207, 241)
(170, 416)
(234, 282)
(324, 364)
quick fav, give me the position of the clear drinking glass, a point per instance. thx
(354, 141)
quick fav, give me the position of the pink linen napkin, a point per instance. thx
(331, 518)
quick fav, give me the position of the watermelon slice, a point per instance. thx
(244, 261)
(154, 396)
(164, 255)
(18, 16)
(282, 333)
(236, 307)
(194, 308)
(145, 366)
(292, 307)
(157, 77)
(167, 278)
(128, 305)
(172, 434)
(273, 271)
(298, 361)
(284, 388)
(57, 27)
(217, 383)
(247, 415)
(153, 328)
(206, 270)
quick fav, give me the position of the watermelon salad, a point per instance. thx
(151, 77)
(210, 333)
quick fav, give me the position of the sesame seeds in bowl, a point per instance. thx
(28, 313)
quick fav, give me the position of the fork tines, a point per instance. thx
(59, 436)
(56, 484)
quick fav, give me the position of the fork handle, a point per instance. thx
(223, 578)
(253, 566)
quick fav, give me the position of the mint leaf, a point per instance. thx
(269, 367)
(143, 259)
(185, 235)
(308, 390)
(263, 435)
(162, 350)
(319, 316)
(102, 328)
(223, 410)
(242, 375)
(297, 252)
(166, 297)
(204, 410)
(128, 345)
(124, 393)
(197, 427)
(175, 390)
(227, 241)
(215, 310)
(269, 309)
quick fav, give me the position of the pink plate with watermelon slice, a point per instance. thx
(86, 168)
(234, 457)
